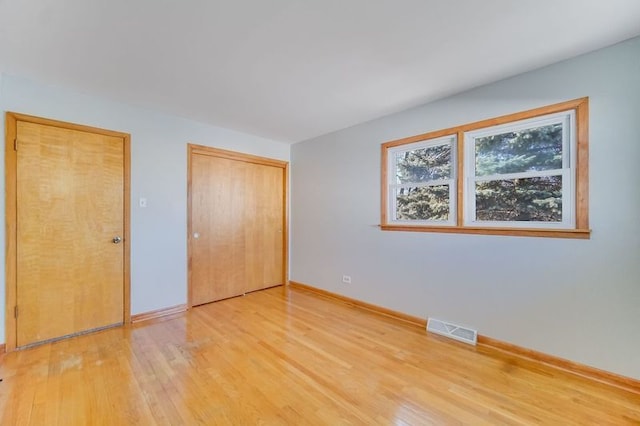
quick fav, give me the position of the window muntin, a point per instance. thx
(520, 174)
(422, 182)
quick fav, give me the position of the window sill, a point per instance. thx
(517, 232)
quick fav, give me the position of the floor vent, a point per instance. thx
(453, 331)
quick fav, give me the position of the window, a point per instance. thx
(424, 186)
(521, 174)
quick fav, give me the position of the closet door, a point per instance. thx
(237, 224)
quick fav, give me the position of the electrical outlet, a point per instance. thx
(346, 279)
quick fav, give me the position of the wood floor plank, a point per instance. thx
(298, 359)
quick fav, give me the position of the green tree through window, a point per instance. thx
(421, 166)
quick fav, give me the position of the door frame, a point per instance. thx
(11, 164)
(193, 149)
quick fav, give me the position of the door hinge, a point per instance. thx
(15, 311)
(15, 144)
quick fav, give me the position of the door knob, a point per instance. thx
(116, 240)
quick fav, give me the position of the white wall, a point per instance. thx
(158, 172)
(577, 299)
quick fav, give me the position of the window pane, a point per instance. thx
(423, 203)
(424, 164)
(538, 148)
(536, 199)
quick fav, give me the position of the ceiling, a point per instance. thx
(290, 70)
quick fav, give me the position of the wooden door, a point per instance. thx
(71, 243)
(237, 235)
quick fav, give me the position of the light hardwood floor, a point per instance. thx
(267, 359)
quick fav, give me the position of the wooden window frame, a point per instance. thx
(580, 108)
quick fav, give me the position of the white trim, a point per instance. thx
(438, 182)
(522, 175)
(426, 143)
(516, 126)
